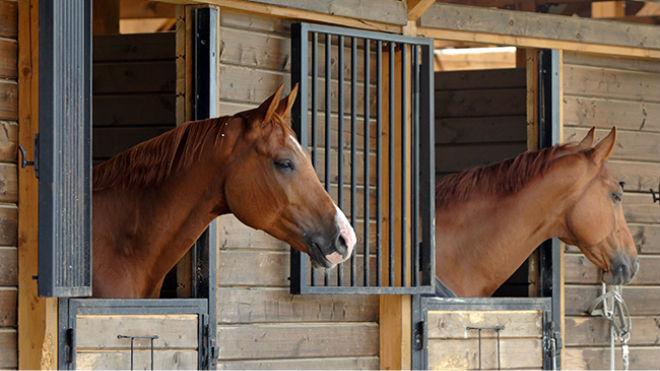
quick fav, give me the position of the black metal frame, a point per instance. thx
(64, 159)
(305, 40)
(422, 304)
(69, 310)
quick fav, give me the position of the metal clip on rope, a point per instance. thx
(611, 306)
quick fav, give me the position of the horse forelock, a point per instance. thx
(506, 177)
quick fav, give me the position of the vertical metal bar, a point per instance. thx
(299, 73)
(132, 349)
(328, 95)
(340, 129)
(379, 195)
(315, 97)
(367, 95)
(353, 145)
(415, 162)
(427, 165)
(404, 165)
(391, 165)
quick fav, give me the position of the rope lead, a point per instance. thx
(611, 306)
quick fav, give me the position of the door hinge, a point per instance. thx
(209, 348)
(69, 345)
(418, 336)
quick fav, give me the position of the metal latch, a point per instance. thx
(418, 336)
(68, 345)
(132, 338)
(24, 158)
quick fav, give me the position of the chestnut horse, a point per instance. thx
(490, 219)
(154, 200)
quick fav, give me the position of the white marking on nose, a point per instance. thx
(296, 144)
(346, 232)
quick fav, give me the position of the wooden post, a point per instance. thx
(106, 17)
(37, 316)
(531, 66)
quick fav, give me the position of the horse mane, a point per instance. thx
(151, 162)
(506, 177)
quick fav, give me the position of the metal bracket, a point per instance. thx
(68, 343)
(23, 160)
(150, 337)
(656, 196)
(418, 337)
(497, 329)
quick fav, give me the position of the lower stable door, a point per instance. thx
(133, 334)
(473, 334)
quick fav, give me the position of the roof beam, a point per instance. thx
(417, 7)
(608, 9)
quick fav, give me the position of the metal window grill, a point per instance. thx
(365, 112)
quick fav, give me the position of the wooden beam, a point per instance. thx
(37, 316)
(145, 9)
(649, 9)
(608, 9)
(106, 17)
(417, 7)
(305, 14)
(495, 26)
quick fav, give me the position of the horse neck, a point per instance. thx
(482, 241)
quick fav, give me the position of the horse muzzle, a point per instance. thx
(328, 252)
(622, 270)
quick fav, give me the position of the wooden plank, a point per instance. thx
(8, 307)
(605, 113)
(8, 141)
(8, 266)
(134, 110)
(647, 237)
(417, 7)
(297, 340)
(8, 19)
(118, 360)
(639, 176)
(607, 83)
(272, 268)
(8, 344)
(614, 62)
(595, 331)
(255, 22)
(106, 142)
(481, 129)
(452, 324)
(100, 331)
(245, 305)
(135, 77)
(8, 59)
(8, 225)
(630, 145)
(641, 300)
(263, 83)
(638, 208)
(8, 100)
(540, 26)
(641, 358)
(106, 17)
(8, 183)
(488, 102)
(580, 270)
(334, 363)
(481, 79)
(145, 9)
(454, 158)
(135, 47)
(463, 354)
(608, 9)
(306, 15)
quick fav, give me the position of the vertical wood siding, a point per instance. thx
(8, 182)
(625, 93)
(260, 325)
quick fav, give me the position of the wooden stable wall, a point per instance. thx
(260, 325)
(480, 119)
(8, 182)
(134, 81)
(606, 92)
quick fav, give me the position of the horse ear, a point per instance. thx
(268, 107)
(588, 139)
(284, 108)
(604, 148)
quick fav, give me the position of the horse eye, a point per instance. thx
(616, 196)
(284, 165)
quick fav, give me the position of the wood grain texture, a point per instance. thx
(8, 306)
(481, 79)
(8, 59)
(121, 360)
(630, 145)
(450, 158)
(101, 331)
(595, 331)
(453, 324)
(486, 102)
(8, 141)
(8, 100)
(641, 300)
(9, 347)
(580, 270)
(641, 358)
(631, 64)
(606, 83)
(8, 183)
(316, 363)
(605, 113)
(8, 266)
(8, 225)
(463, 354)
(8, 19)
(473, 130)
(249, 305)
(134, 110)
(134, 47)
(297, 340)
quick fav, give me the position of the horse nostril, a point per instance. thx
(341, 245)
